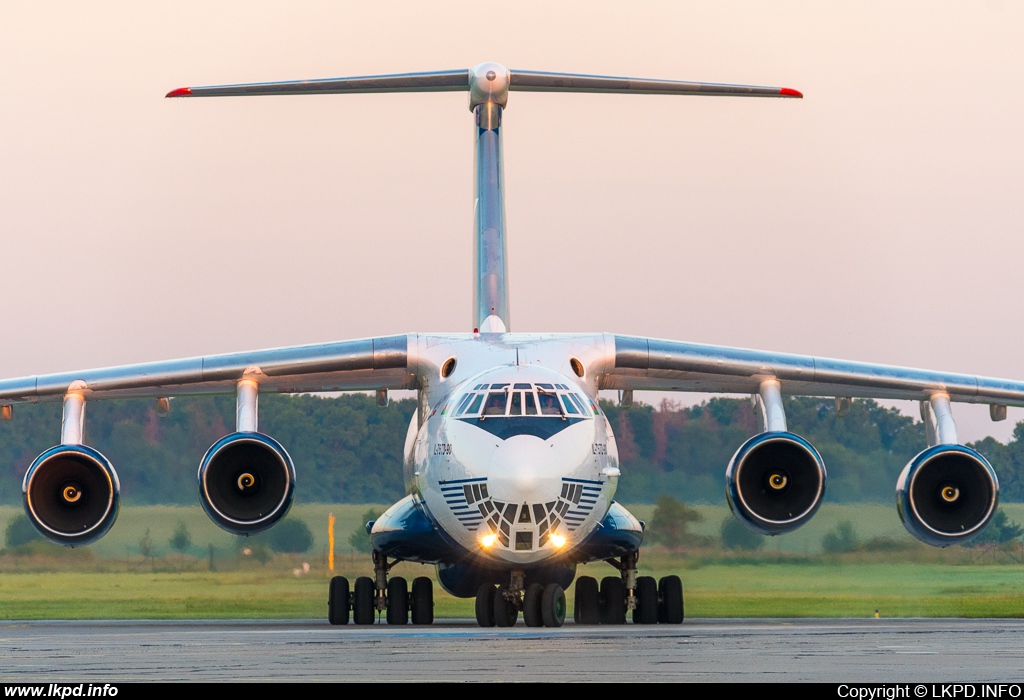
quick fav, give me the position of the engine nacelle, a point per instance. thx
(246, 482)
(71, 495)
(947, 495)
(775, 482)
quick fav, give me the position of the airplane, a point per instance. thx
(510, 464)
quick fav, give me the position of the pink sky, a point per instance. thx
(879, 219)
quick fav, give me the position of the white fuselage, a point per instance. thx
(516, 462)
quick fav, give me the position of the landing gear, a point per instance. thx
(506, 612)
(531, 605)
(670, 596)
(552, 605)
(613, 601)
(646, 610)
(363, 597)
(587, 607)
(370, 596)
(651, 601)
(397, 602)
(485, 605)
(542, 606)
(338, 601)
(422, 601)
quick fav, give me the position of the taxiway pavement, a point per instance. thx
(861, 651)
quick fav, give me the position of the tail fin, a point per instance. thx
(488, 85)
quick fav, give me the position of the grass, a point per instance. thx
(789, 578)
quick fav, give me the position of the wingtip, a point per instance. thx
(180, 92)
(789, 92)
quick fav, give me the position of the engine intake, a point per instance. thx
(775, 482)
(947, 495)
(246, 482)
(71, 495)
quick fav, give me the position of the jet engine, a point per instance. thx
(71, 495)
(947, 495)
(246, 482)
(775, 482)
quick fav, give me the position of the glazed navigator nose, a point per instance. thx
(524, 470)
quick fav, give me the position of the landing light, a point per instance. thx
(558, 541)
(488, 540)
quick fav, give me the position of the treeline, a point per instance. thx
(348, 450)
(684, 451)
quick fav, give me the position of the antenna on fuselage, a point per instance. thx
(488, 85)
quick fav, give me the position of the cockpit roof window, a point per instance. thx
(523, 386)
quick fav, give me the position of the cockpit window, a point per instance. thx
(548, 404)
(521, 399)
(570, 405)
(495, 405)
(475, 406)
(531, 407)
(465, 402)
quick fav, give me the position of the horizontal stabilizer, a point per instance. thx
(537, 81)
(438, 81)
(458, 80)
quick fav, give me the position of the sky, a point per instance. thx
(879, 219)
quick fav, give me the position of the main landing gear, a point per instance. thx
(542, 606)
(370, 596)
(651, 601)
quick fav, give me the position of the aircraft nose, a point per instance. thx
(524, 470)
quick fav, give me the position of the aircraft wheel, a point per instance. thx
(670, 595)
(613, 601)
(646, 611)
(398, 601)
(532, 605)
(587, 606)
(505, 613)
(422, 601)
(485, 605)
(337, 601)
(363, 594)
(552, 605)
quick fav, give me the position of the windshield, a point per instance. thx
(488, 401)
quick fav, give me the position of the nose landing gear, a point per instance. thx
(542, 606)
(370, 596)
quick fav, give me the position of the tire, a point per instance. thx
(485, 605)
(552, 605)
(587, 608)
(646, 611)
(670, 593)
(613, 601)
(337, 601)
(531, 605)
(505, 613)
(363, 593)
(422, 601)
(398, 601)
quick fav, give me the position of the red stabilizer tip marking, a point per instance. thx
(791, 93)
(180, 92)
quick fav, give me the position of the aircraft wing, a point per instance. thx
(667, 365)
(366, 364)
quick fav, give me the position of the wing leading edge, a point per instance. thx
(667, 365)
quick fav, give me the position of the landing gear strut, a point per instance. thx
(650, 601)
(371, 596)
(542, 606)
